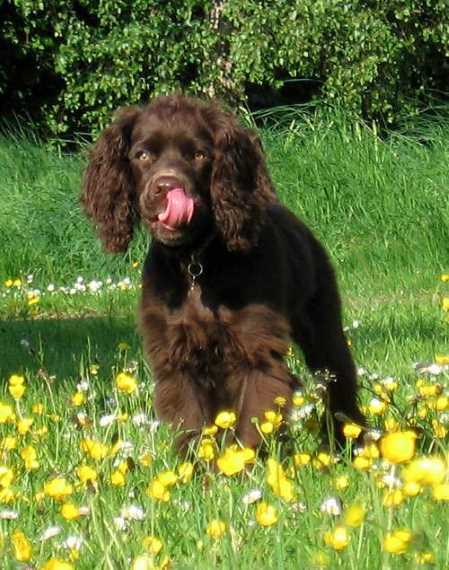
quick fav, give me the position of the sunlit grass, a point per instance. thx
(88, 476)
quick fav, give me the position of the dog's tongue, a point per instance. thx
(179, 209)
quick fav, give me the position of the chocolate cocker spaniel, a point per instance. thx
(231, 277)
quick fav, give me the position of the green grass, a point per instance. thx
(381, 208)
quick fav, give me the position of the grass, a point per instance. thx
(381, 208)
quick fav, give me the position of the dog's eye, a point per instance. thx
(144, 155)
(200, 155)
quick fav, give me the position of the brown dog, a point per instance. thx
(231, 277)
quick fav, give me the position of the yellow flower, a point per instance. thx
(7, 414)
(95, 449)
(216, 529)
(225, 420)
(78, 399)
(118, 478)
(411, 489)
(362, 463)
(341, 482)
(29, 456)
(391, 424)
(338, 538)
(70, 512)
(7, 496)
(8, 443)
(398, 447)
(323, 459)
(445, 304)
(442, 359)
(301, 459)
(210, 430)
(393, 498)
(145, 459)
(234, 459)
(429, 390)
(276, 478)
(168, 478)
(22, 549)
(32, 298)
(397, 541)
(444, 277)
(37, 409)
(354, 515)
(156, 490)
(57, 564)
(58, 488)
(266, 515)
(123, 346)
(280, 401)
(298, 399)
(351, 431)
(152, 544)
(377, 407)
(442, 403)
(143, 562)
(6, 476)
(16, 390)
(125, 383)
(425, 558)
(273, 421)
(206, 449)
(185, 472)
(439, 430)
(24, 425)
(86, 473)
(440, 492)
(426, 470)
(16, 380)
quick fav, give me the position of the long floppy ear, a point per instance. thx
(241, 188)
(108, 193)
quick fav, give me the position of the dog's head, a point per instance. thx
(185, 169)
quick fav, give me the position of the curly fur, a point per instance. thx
(219, 340)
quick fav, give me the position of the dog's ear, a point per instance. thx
(108, 193)
(241, 188)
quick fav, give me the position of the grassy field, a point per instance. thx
(88, 478)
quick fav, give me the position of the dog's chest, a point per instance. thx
(201, 341)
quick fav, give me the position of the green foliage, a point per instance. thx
(379, 59)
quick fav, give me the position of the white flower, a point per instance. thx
(133, 512)
(9, 515)
(107, 420)
(391, 481)
(331, 506)
(119, 523)
(73, 542)
(83, 386)
(94, 286)
(299, 507)
(50, 532)
(84, 511)
(51, 288)
(251, 496)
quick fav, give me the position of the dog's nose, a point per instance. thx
(167, 183)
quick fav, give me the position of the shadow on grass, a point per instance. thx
(63, 346)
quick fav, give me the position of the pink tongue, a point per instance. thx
(179, 209)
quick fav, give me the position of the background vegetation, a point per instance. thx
(68, 65)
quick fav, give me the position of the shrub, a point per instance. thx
(379, 59)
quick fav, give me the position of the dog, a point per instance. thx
(232, 277)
